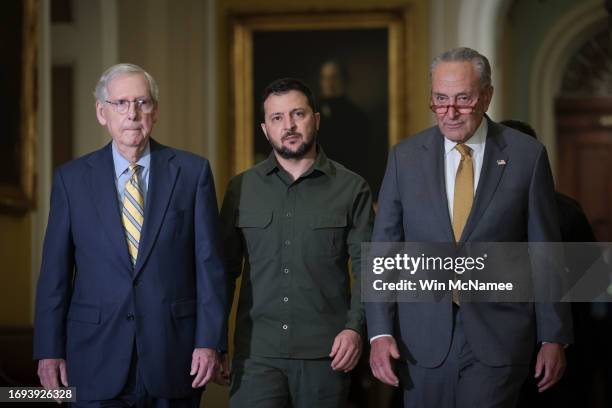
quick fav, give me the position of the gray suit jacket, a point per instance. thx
(513, 203)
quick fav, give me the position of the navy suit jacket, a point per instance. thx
(94, 309)
(514, 202)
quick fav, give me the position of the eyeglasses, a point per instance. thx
(121, 106)
(464, 107)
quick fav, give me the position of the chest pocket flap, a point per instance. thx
(327, 234)
(253, 219)
(256, 227)
(328, 220)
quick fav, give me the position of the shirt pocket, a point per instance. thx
(326, 234)
(256, 227)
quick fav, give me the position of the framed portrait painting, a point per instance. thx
(354, 62)
(18, 104)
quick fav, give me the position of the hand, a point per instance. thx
(204, 365)
(48, 370)
(551, 360)
(346, 350)
(223, 374)
(383, 349)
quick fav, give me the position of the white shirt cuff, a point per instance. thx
(380, 335)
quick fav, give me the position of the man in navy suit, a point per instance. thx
(467, 179)
(131, 309)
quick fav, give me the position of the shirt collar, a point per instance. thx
(321, 163)
(476, 142)
(122, 164)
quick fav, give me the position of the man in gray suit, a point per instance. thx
(467, 179)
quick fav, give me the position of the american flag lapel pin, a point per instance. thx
(501, 162)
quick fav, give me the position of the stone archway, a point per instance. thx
(563, 40)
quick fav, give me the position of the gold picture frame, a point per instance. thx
(18, 183)
(245, 27)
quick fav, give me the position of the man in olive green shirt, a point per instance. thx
(295, 219)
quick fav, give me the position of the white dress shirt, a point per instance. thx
(452, 157)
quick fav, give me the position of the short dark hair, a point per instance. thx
(284, 85)
(520, 126)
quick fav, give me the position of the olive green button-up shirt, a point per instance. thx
(295, 238)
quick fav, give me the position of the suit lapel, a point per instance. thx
(162, 178)
(104, 192)
(432, 165)
(493, 166)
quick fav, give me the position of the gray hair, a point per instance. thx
(461, 54)
(101, 91)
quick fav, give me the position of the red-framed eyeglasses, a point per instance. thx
(464, 109)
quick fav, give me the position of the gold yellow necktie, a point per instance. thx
(463, 197)
(464, 190)
(132, 214)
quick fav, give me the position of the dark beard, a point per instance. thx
(285, 153)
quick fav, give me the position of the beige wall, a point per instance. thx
(80, 44)
(15, 305)
(170, 42)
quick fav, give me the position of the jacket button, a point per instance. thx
(130, 316)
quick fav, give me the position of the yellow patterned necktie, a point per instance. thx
(463, 197)
(132, 214)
